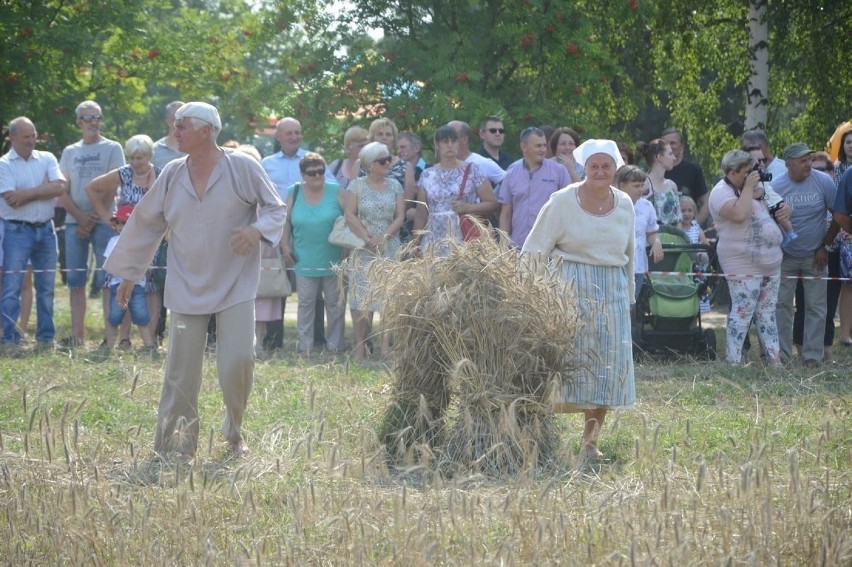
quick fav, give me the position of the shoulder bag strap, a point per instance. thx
(463, 181)
(290, 212)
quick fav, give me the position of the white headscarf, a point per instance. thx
(591, 147)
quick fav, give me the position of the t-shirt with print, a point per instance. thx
(809, 199)
(82, 163)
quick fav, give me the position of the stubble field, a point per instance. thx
(715, 465)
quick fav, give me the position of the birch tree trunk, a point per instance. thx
(757, 102)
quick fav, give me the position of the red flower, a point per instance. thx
(462, 77)
(633, 5)
(572, 49)
(153, 54)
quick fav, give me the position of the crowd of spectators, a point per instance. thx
(774, 222)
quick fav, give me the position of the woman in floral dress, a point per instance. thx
(438, 193)
(375, 209)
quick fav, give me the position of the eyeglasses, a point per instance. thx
(91, 118)
(313, 172)
(497, 130)
(384, 160)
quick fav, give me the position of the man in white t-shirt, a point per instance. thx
(493, 172)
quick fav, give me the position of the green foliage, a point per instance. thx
(529, 62)
(63, 53)
(625, 70)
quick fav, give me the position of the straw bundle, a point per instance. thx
(475, 329)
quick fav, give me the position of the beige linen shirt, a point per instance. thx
(204, 274)
(563, 230)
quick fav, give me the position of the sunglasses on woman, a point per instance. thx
(313, 172)
(384, 160)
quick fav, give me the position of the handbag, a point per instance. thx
(468, 226)
(274, 281)
(341, 235)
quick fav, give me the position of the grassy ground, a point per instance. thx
(715, 465)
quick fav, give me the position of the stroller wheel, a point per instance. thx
(709, 336)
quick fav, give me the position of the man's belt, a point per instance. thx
(28, 223)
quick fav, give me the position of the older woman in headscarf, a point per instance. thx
(595, 255)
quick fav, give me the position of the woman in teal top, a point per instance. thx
(312, 207)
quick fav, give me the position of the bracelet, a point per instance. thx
(826, 247)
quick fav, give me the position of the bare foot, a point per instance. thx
(239, 449)
(591, 451)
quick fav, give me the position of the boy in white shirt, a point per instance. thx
(138, 304)
(631, 180)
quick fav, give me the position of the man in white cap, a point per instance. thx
(218, 205)
(810, 195)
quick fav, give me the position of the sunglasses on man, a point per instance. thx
(497, 130)
(91, 118)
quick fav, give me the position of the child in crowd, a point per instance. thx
(138, 304)
(688, 224)
(631, 180)
(701, 260)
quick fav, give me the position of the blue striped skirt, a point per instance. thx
(604, 346)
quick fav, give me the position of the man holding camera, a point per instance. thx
(811, 195)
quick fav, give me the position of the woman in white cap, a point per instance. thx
(588, 228)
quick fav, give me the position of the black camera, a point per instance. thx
(765, 176)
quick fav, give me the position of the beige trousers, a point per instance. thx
(177, 420)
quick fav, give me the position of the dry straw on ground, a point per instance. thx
(479, 347)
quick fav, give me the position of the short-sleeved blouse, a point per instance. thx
(752, 246)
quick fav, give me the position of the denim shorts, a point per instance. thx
(77, 254)
(138, 307)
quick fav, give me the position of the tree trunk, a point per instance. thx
(757, 102)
